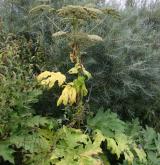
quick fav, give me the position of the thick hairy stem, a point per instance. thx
(78, 117)
(76, 58)
(75, 55)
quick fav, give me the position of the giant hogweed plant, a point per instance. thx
(73, 92)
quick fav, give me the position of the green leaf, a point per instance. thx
(157, 143)
(6, 152)
(149, 138)
(75, 70)
(80, 86)
(117, 141)
(133, 129)
(107, 122)
(153, 159)
(151, 141)
(120, 145)
(74, 147)
(40, 121)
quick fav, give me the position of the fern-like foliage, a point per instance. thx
(117, 140)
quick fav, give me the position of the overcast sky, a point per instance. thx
(121, 3)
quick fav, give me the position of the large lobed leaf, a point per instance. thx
(117, 141)
(75, 148)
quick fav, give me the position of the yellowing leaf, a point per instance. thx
(129, 157)
(61, 78)
(72, 95)
(68, 95)
(87, 73)
(111, 145)
(73, 71)
(141, 154)
(123, 143)
(48, 79)
(43, 75)
(120, 145)
(98, 138)
(78, 67)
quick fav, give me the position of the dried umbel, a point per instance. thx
(59, 34)
(111, 12)
(79, 12)
(76, 12)
(81, 39)
(84, 40)
(95, 38)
